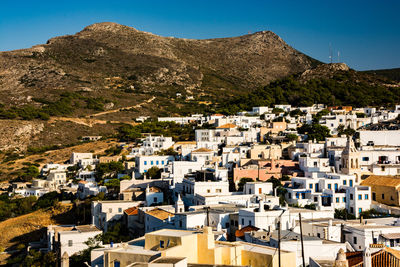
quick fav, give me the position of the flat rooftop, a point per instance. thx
(171, 232)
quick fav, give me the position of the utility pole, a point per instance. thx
(301, 239)
(208, 216)
(279, 242)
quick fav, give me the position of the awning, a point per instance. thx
(391, 236)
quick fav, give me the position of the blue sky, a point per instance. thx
(367, 33)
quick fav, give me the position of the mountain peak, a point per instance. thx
(107, 26)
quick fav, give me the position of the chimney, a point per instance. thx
(341, 260)
(367, 258)
(65, 260)
(261, 205)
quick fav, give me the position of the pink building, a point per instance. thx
(265, 169)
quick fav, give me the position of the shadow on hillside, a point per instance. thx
(32, 236)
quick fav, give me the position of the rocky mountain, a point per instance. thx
(115, 61)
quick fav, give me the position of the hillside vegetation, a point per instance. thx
(340, 87)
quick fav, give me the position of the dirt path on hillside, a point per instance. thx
(89, 120)
(121, 109)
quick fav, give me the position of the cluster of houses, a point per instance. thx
(243, 188)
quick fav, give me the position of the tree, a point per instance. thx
(342, 130)
(315, 131)
(29, 173)
(153, 173)
(242, 182)
(113, 184)
(111, 169)
(343, 214)
(83, 256)
(291, 137)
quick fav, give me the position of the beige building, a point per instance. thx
(273, 128)
(265, 152)
(197, 248)
(385, 189)
(350, 160)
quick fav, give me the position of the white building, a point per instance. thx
(152, 144)
(144, 163)
(106, 211)
(70, 238)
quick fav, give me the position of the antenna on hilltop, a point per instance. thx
(338, 56)
(330, 52)
(249, 32)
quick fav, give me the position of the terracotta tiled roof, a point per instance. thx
(160, 214)
(131, 211)
(218, 114)
(186, 143)
(199, 150)
(249, 228)
(227, 126)
(385, 257)
(83, 182)
(390, 181)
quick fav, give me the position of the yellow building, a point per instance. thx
(385, 189)
(197, 248)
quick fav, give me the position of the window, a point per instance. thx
(250, 222)
(242, 221)
(315, 199)
(373, 196)
(151, 162)
(319, 235)
(360, 210)
(290, 195)
(351, 196)
(360, 197)
(344, 182)
(365, 159)
(162, 162)
(110, 210)
(366, 196)
(227, 225)
(161, 243)
(383, 168)
(155, 200)
(329, 186)
(383, 196)
(344, 199)
(351, 182)
(315, 164)
(311, 186)
(180, 223)
(119, 209)
(208, 191)
(218, 190)
(351, 210)
(337, 200)
(336, 187)
(145, 162)
(117, 264)
(157, 162)
(70, 243)
(355, 240)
